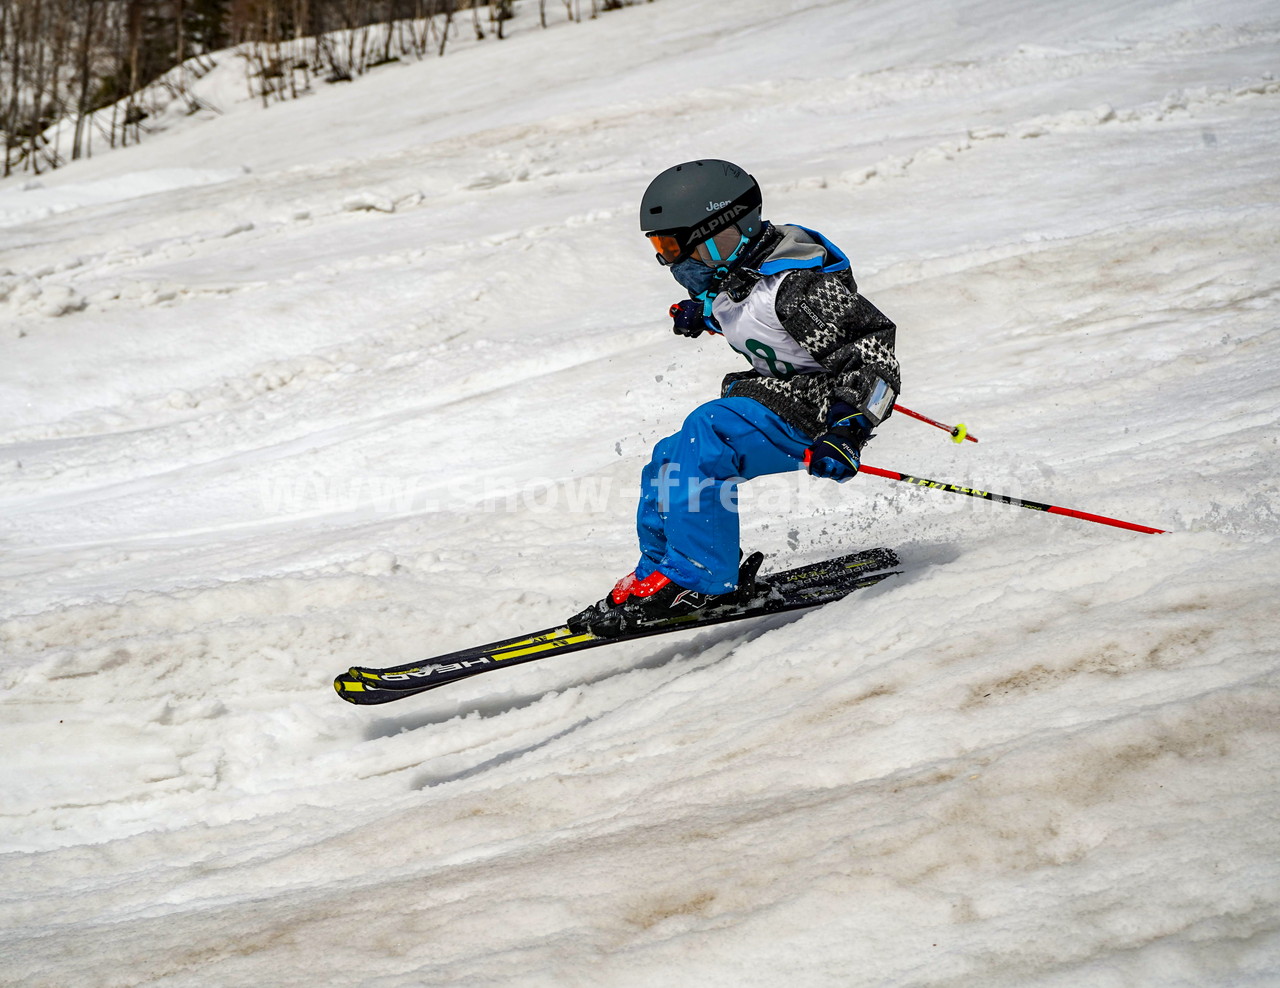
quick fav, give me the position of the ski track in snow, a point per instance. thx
(371, 376)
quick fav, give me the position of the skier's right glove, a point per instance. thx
(837, 453)
(688, 319)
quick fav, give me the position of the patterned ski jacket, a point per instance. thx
(793, 309)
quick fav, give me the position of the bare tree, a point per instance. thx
(11, 52)
(110, 65)
(85, 75)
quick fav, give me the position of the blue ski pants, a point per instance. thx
(688, 514)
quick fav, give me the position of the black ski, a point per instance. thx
(788, 590)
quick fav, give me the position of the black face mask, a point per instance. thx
(693, 275)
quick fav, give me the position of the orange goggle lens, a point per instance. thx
(667, 246)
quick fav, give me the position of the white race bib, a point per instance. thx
(752, 328)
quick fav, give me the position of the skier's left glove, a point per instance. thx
(688, 319)
(837, 453)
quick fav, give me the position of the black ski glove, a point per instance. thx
(688, 319)
(837, 453)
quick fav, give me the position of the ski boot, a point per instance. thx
(657, 601)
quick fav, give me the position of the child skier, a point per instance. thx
(823, 376)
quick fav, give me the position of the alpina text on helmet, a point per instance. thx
(709, 228)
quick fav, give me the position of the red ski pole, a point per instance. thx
(1053, 509)
(959, 433)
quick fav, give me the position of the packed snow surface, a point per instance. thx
(371, 375)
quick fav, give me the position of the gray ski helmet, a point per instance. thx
(693, 201)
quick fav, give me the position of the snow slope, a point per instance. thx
(372, 375)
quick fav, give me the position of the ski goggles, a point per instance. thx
(676, 244)
(710, 252)
(668, 247)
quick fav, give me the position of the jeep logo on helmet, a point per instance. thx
(713, 206)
